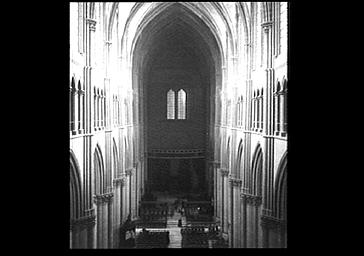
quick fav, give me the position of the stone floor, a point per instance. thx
(175, 236)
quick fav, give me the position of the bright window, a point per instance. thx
(170, 104)
(181, 104)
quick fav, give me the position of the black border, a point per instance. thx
(42, 195)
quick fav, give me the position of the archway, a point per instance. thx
(75, 202)
(254, 206)
(169, 41)
(280, 206)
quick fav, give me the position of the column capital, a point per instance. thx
(251, 199)
(267, 25)
(129, 171)
(224, 172)
(235, 182)
(92, 24)
(118, 182)
(103, 198)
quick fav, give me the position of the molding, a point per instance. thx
(270, 222)
(267, 25)
(236, 182)
(83, 222)
(215, 164)
(118, 182)
(224, 172)
(129, 171)
(251, 199)
(104, 198)
(92, 24)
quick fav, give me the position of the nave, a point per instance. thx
(182, 226)
(183, 97)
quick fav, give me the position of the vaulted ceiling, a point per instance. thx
(179, 30)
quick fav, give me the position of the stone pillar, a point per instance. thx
(128, 174)
(281, 108)
(116, 211)
(235, 203)
(90, 52)
(268, 151)
(224, 203)
(273, 232)
(277, 113)
(110, 220)
(243, 219)
(80, 230)
(91, 228)
(99, 220)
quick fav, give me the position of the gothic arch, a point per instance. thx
(246, 17)
(75, 188)
(151, 10)
(281, 189)
(116, 159)
(228, 152)
(99, 181)
(126, 150)
(257, 171)
(239, 161)
(266, 8)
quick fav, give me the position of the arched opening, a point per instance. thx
(280, 195)
(239, 160)
(99, 190)
(257, 168)
(254, 207)
(176, 54)
(75, 200)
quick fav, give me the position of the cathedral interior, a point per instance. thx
(178, 124)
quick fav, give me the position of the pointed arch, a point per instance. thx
(228, 154)
(143, 13)
(257, 171)
(284, 84)
(127, 157)
(280, 190)
(116, 159)
(72, 104)
(181, 103)
(170, 104)
(278, 87)
(266, 11)
(75, 188)
(99, 173)
(239, 158)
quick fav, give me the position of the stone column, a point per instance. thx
(277, 113)
(268, 151)
(235, 221)
(90, 52)
(91, 228)
(80, 231)
(116, 211)
(99, 220)
(243, 219)
(128, 174)
(224, 203)
(76, 117)
(109, 201)
(273, 228)
(281, 108)
(256, 202)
